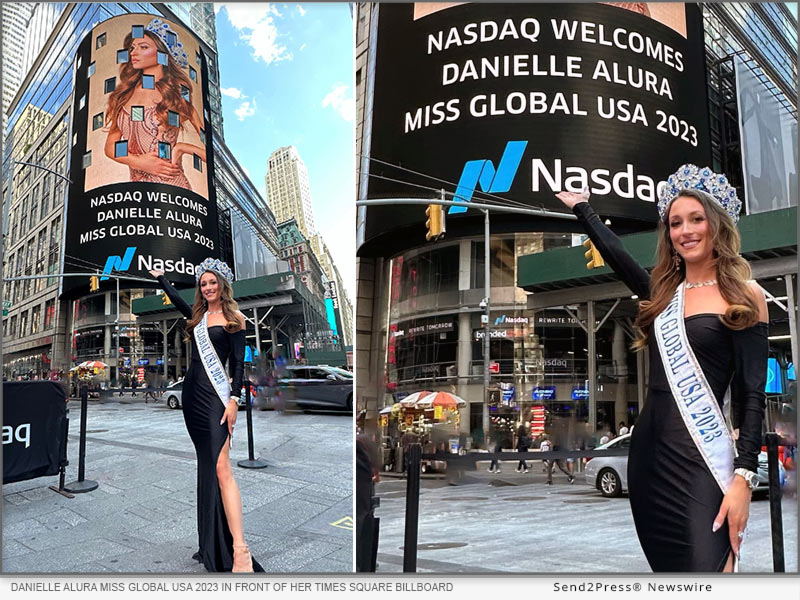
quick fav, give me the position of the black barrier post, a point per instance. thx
(251, 462)
(775, 511)
(412, 508)
(82, 485)
(63, 462)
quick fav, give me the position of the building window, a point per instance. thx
(82, 102)
(90, 70)
(162, 58)
(137, 31)
(23, 324)
(192, 74)
(97, 121)
(49, 314)
(36, 319)
(173, 119)
(100, 41)
(121, 148)
(149, 82)
(197, 58)
(110, 85)
(74, 138)
(137, 113)
(185, 93)
(164, 151)
(122, 56)
(87, 159)
(198, 163)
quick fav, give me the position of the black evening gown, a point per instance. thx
(674, 497)
(202, 412)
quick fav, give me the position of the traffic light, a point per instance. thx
(593, 255)
(435, 222)
(94, 283)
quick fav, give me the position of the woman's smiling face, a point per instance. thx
(689, 230)
(209, 287)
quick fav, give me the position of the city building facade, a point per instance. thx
(328, 265)
(288, 192)
(558, 339)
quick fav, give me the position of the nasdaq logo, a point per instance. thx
(482, 173)
(117, 263)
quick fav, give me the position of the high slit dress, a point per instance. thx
(674, 497)
(202, 412)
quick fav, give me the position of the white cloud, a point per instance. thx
(232, 93)
(301, 10)
(338, 100)
(246, 109)
(217, 7)
(256, 26)
(246, 172)
(303, 47)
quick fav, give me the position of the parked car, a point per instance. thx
(172, 395)
(609, 474)
(320, 387)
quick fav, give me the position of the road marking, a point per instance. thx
(344, 523)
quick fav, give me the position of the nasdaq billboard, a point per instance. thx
(142, 194)
(515, 102)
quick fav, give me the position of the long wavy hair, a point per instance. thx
(733, 271)
(168, 85)
(229, 306)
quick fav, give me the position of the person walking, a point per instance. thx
(706, 325)
(523, 445)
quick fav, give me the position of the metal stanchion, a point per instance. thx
(412, 509)
(82, 485)
(775, 511)
(62, 467)
(251, 462)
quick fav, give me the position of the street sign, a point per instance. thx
(6, 306)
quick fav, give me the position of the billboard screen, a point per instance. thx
(142, 194)
(515, 102)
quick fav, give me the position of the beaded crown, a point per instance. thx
(213, 264)
(689, 176)
(161, 29)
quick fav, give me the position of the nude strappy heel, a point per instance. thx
(244, 549)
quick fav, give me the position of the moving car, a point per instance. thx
(172, 395)
(320, 387)
(609, 474)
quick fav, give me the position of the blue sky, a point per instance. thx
(286, 75)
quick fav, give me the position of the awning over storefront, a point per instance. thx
(769, 242)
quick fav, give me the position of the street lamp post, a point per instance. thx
(486, 305)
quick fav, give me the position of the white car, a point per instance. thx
(609, 474)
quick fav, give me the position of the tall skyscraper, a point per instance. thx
(16, 16)
(288, 193)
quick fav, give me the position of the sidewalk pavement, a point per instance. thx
(142, 519)
(513, 523)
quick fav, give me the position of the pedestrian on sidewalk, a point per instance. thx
(557, 444)
(523, 444)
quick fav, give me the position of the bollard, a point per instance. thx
(412, 509)
(251, 462)
(82, 485)
(775, 510)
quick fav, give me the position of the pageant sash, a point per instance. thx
(694, 397)
(213, 365)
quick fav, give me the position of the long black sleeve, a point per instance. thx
(613, 252)
(750, 353)
(236, 363)
(179, 302)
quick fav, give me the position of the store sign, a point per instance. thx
(544, 393)
(580, 393)
(144, 362)
(509, 321)
(530, 99)
(142, 194)
(431, 328)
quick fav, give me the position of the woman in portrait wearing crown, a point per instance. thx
(171, 93)
(210, 404)
(689, 475)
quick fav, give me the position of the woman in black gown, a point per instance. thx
(210, 421)
(684, 520)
